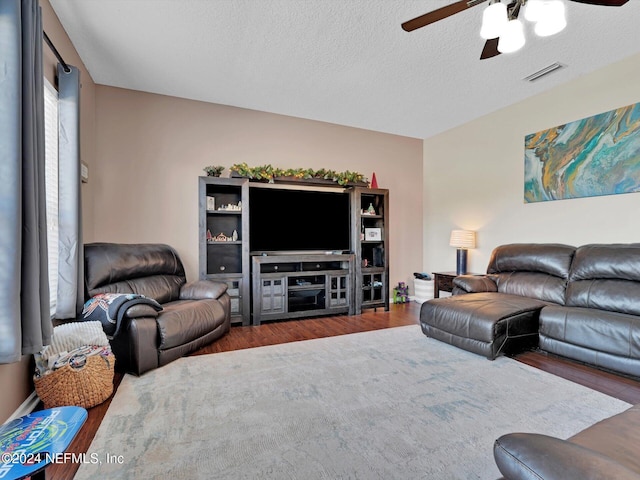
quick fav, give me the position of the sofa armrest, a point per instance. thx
(136, 348)
(141, 311)
(475, 283)
(533, 456)
(202, 289)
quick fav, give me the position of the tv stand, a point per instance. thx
(295, 286)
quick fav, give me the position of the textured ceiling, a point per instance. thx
(340, 61)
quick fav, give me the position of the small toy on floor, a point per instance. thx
(401, 293)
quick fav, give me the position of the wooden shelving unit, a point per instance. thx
(341, 283)
(370, 243)
(226, 261)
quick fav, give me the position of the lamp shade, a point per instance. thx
(533, 10)
(494, 19)
(512, 38)
(463, 239)
(552, 19)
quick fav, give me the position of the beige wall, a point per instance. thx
(152, 148)
(15, 379)
(473, 175)
(15, 385)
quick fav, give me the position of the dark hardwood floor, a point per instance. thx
(238, 338)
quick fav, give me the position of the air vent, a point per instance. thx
(545, 71)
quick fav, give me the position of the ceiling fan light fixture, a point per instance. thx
(512, 37)
(533, 10)
(494, 20)
(552, 20)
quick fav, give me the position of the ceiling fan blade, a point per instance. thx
(604, 3)
(439, 14)
(490, 49)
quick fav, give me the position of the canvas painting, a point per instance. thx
(599, 155)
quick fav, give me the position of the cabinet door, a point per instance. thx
(234, 289)
(272, 295)
(338, 291)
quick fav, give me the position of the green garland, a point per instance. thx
(268, 173)
(213, 170)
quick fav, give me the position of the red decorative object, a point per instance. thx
(374, 181)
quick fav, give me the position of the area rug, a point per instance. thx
(389, 404)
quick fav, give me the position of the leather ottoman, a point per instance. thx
(484, 323)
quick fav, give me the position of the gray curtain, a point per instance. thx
(70, 295)
(25, 324)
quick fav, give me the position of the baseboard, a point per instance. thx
(26, 407)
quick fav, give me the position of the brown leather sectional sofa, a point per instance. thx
(193, 315)
(582, 303)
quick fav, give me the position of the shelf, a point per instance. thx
(306, 308)
(224, 212)
(313, 286)
(236, 242)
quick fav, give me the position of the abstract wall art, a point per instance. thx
(599, 155)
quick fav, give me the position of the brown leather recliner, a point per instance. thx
(607, 449)
(194, 314)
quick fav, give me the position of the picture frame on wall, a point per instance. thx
(594, 156)
(373, 234)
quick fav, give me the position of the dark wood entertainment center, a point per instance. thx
(289, 284)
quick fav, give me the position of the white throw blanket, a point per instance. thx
(66, 339)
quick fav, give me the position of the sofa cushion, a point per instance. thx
(610, 332)
(162, 288)
(130, 266)
(614, 261)
(552, 258)
(606, 277)
(185, 320)
(531, 284)
(532, 270)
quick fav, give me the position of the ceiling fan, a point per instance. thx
(491, 48)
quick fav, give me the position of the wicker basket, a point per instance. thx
(85, 386)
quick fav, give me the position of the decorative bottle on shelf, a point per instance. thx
(371, 210)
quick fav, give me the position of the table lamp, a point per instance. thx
(462, 240)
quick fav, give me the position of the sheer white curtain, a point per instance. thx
(70, 294)
(51, 185)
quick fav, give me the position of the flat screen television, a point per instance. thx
(285, 220)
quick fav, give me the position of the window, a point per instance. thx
(51, 186)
